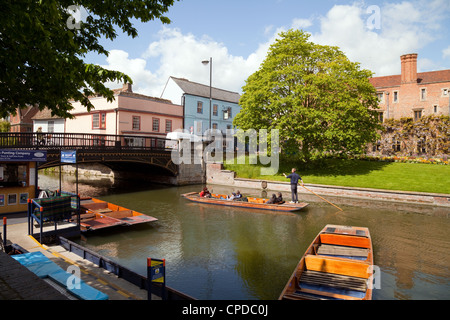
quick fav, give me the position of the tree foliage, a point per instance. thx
(41, 52)
(322, 103)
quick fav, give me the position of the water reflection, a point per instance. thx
(215, 252)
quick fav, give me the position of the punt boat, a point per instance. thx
(251, 203)
(338, 265)
(98, 214)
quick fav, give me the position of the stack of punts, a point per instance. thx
(97, 214)
(251, 203)
(337, 265)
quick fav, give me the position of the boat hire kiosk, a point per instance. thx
(58, 215)
(18, 178)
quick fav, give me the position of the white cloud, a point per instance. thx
(446, 53)
(301, 23)
(405, 27)
(180, 55)
(135, 68)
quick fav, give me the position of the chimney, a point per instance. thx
(409, 68)
(127, 87)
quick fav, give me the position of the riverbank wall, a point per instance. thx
(217, 176)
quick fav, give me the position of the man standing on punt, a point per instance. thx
(294, 181)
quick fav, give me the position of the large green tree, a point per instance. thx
(321, 102)
(42, 48)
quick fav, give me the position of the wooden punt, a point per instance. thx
(98, 214)
(337, 265)
(251, 203)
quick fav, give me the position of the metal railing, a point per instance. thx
(15, 140)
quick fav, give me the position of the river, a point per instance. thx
(215, 253)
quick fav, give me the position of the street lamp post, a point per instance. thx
(205, 62)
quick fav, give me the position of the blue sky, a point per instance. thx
(237, 35)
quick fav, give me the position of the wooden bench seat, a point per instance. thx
(328, 285)
(120, 214)
(334, 280)
(346, 267)
(325, 249)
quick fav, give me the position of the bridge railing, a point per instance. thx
(33, 140)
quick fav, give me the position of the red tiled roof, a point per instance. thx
(388, 81)
(422, 78)
(434, 76)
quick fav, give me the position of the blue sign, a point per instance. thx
(23, 155)
(69, 156)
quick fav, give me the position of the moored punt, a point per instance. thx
(251, 203)
(337, 265)
(97, 214)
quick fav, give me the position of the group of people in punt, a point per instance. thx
(275, 199)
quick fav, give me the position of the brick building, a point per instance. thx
(412, 94)
(22, 121)
(416, 102)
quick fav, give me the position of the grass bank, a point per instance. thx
(416, 177)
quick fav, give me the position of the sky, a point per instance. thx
(237, 35)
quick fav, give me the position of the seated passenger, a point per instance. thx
(235, 196)
(279, 199)
(272, 200)
(205, 193)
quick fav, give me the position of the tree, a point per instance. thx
(42, 47)
(321, 102)
(4, 126)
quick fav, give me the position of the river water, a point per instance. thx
(215, 253)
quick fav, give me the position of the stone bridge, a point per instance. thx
(140, 157)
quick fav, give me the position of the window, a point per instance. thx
(168, 125)
(198, 128)
(51, 126)
(376, 146)
(381, 117)
(396, 145)
(199, 107)
(435, 109)
(95, 121)
(380, 97)
(417, 115)
(395, 96)
(423, 94)
(215, 110)
(445, 92)
(136, 123)
(99, 120)
(227, 114)
(13, 175)
(155, 126)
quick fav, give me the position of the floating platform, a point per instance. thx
(98, 214)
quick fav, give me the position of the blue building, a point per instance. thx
(194, 97)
